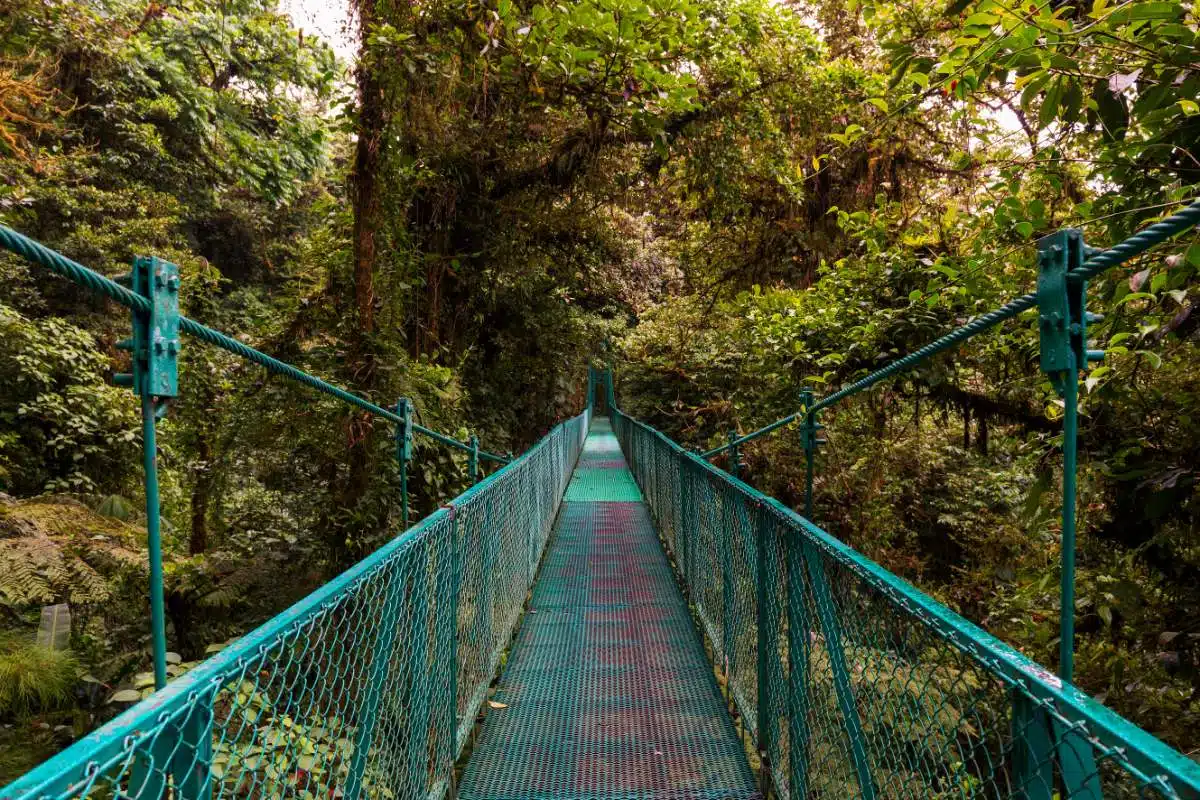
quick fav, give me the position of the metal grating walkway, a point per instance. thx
(608, 692)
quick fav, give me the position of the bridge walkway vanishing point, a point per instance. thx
(608, 691)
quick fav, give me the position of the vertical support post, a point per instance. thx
(452, 658)
(381, 658)
(686, 529)
(404, 452)
(1033, 755)
(473, 463)
(154, 353)
(768, 639)
(148, 778)
(734, 466)
(419, 686)
(191, 762)
(158, 623)
(1077, 762)
(827, 613)
(725, 547)
(810, 441)
(1066, 640)
(799, 630)
(488, 541)
(1062, 328)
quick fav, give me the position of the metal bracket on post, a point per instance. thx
(154, 351)
(810, 441)
(1062, 307)
(154, 346)
(404, 452)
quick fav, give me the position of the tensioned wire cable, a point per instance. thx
(1098, 263)
(958, 280)
(90, 279)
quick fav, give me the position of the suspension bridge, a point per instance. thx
(610, 616)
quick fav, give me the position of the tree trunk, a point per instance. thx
(360, 367)
(201, 499)
(366, 186)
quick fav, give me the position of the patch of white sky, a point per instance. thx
(329, 19)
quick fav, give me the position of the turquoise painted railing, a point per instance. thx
(151, 293)
(1065, 265)
(367, 688)
(855, 684)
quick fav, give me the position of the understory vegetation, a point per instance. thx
(728, 200)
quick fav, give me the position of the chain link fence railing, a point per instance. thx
(367, 688)
(855, 684)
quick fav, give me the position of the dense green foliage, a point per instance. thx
(741, 197)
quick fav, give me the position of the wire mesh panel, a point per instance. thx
(608, 693)
(854, 683)
(364, 689)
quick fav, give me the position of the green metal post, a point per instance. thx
(404, 452)
(726, 554)
(768, 638)
(151, 764)
(809, 440)
(1077, 762)
(158, 623)
(381, 658)
(474, 459)
(488, 540)
(1033, 754)
(1062, 327)
(799, 633)
(191, 764)
(418, 700)
(451, 662)
(686, 528)
(1066, 642)
(808, 483)
(827, 613)
(154, 351)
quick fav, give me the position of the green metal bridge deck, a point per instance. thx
(608, 692)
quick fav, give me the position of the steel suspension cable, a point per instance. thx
(1135, 245)
(99, 284)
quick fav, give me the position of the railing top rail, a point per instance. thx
(73, 271)
(1135, 245)
(1147, 757)
(63, 774)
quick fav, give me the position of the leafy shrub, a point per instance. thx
(34, 678)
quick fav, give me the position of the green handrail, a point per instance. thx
(1098, 263)
(73, 271)
(146, 310)
(888, 692)
(1065, 266)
